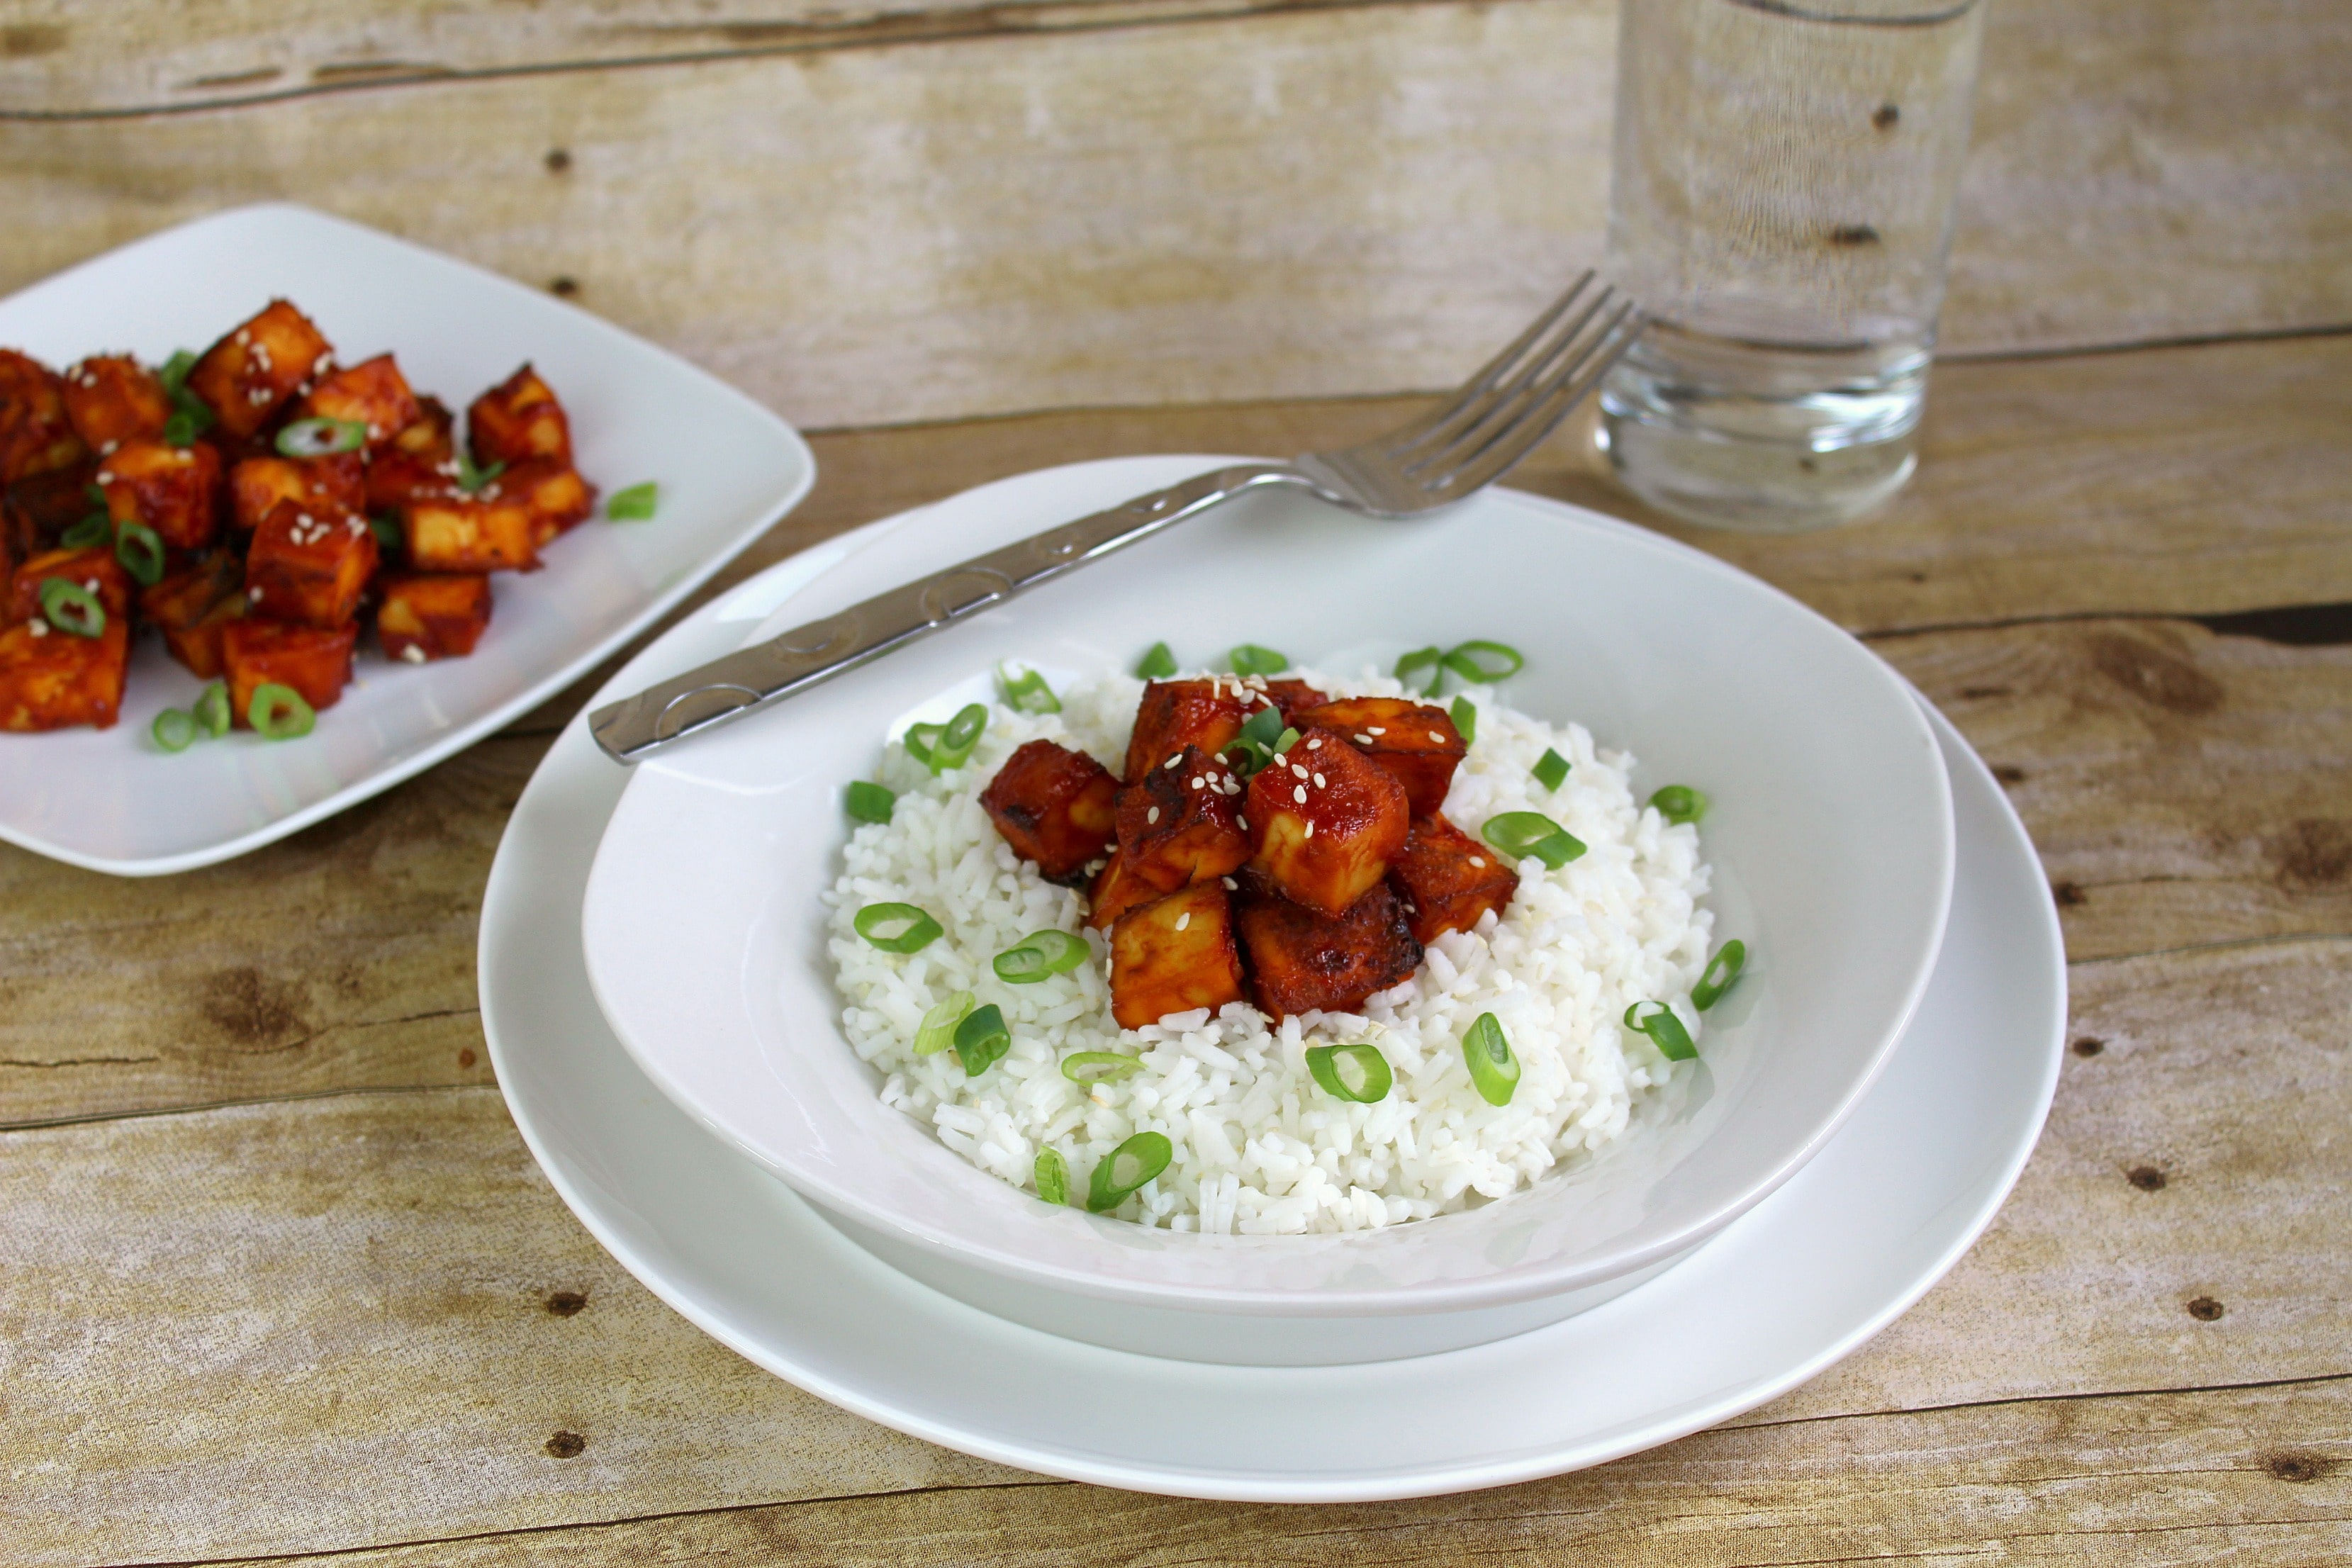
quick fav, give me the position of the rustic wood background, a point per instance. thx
(277, 1278)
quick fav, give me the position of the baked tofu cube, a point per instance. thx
(518, 421)
(315, 661)
(1054, 806)
(1114, 891)
(51, 679)
(1302, 961)
(373, 394)
(190, 608)
(420, 462)
(95, 569)
(39, 508)
(35, 435)
(559, 499)
(1174, 954)
(113, 398)
(456, 532)
(1414, 741)
(1175, 714)
(255, 485)
(1446, 878)
(1180, 823)
(432, 615)
(309, 564)
(1325, 820)
(175, 490)
(259, 368)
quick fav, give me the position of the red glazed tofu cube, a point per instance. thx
(426, 616)
(95, 569)
(1175, 714)
(50, 679)
(455, 532)
(35, 435)
(1174, 954)
(1180, 823)
(113, 398)
(559, 499)
(1326, 820)
(175, 490)
(371, 394)
(518, 421)
(1447, 879)
(1054, 806)
(1114, 891)
(259, 368)
(418, 462)
(190, 608)
(1301, 961)
(1414, 741)
(314, 661)
(309, 564)
(255, 485)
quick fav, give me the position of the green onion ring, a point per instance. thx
(1665, 1030)
(278, 713)
(211, 710)
(321, 438)
(180, 429)
(956, 738)
(1370, 1071)
(1520, 834)
(635, 504)
(1679, 804)
(1028, 692)
(1156, 664)
(388, 533)
(70, 607)
(1493, 1069)
(471, 478)
(1730, 959)
(141, 550)
(916, 929)
(1119, 1172)
(1260, 738)
(981, 1038)
(173, 372)
(1551, 769)
(1428, 659)
(1484, 662)
(869, 801)
(174, 731)
(94, 529)
(1052, 1174)
(1464, 714)
(920, 739)
(1038, 955)
(936, 1033)
(1103, 1065)
(1255, 658)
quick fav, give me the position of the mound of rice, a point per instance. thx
(1260, 1148)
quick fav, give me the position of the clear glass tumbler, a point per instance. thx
(1782, 203)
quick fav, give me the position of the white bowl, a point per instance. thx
(1831, 836)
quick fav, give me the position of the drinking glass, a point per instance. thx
(1781, 200)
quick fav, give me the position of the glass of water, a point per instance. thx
(1782, 203)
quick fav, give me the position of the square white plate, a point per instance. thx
(112, 801)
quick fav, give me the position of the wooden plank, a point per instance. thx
(359, 1285)
(1298, 201)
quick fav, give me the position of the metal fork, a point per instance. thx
(1489, 425)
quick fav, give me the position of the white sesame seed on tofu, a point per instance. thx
(1243, 820)
(1295, 769)
(413, 654)
(1173, 760)
(1184, 919)
(1479, 861)
(1436, 737)
(1374, 730)
(1230, 886)
(1315, 743)
(1310, 828)
(39, 628)
(1319, 782)
(1299, 794)
(1363, 740)
(1152, 815)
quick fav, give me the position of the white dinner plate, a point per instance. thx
(1838, 1252)
(112, 801)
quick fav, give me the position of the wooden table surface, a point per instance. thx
(277, 1280)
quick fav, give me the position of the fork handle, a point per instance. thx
(792, 661)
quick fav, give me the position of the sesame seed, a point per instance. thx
(105, 478)
(1243, 820)
(1319, 782)
(253, 595)
(1151, 816)
(1184, 919)
(108, 449)
(90, 584)
(1297, 770)
(1310, 830)
(40, 629)
(1436, 737)
(1314, 743)
(1479, 861)
(413, 654)
(1230, 886)
(1173, 760)
(1198, 782)
(1299, 794)
(1363, 740)
(1374, 730)
(243, 335)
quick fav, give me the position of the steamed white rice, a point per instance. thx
(1260, 1148)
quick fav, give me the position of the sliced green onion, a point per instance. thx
(189, 414)
(1260, 733)
(898, 928)
(388, 534)
(321, 438)
(869, 801)
(1722, 973)
(1255, 659)
(635, 504)
(1355, 1072)
(1039, 954)
(1679, 804)
(1484, 662)
(1052, 1174)
(174, 731)
(173, 372)
(1423, 659)
(981, 1038)
(278, 713)
(1665, 1030)
(1520, 834)
(1156, 663)
(1466, 719)
(1551, 769)
(1028, 692)
(470, 478)
(141, 550)
(70, 607)
(94, 529)
(1126, 1168)
(1094, 1067)
(940, 747)
(180, 429)
(212, 710)
(1493, 1067)
(937, 1032)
